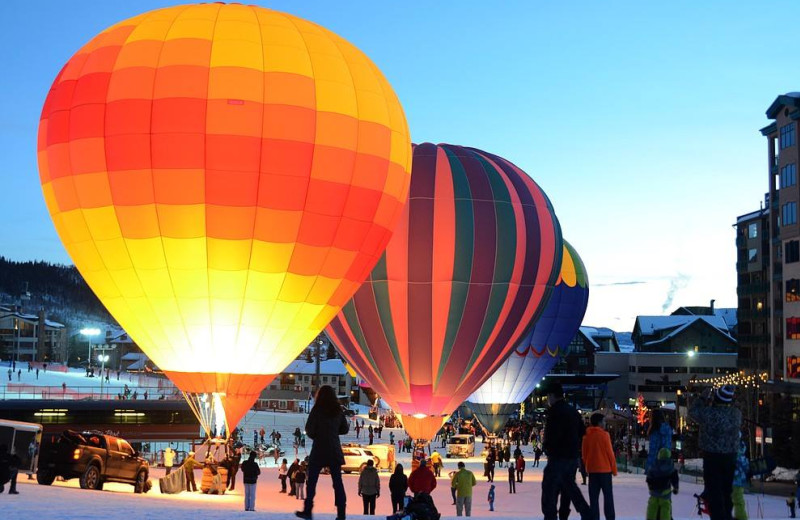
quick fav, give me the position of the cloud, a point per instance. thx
(632, 282)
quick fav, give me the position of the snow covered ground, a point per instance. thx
(64, 500)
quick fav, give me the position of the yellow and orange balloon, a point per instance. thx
(223, 177)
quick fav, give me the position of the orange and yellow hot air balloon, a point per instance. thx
(223, 177)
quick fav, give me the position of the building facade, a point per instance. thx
(784, 269)
(31, 337)
(752, 288)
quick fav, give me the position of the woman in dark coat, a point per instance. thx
(326, 422)
(398, 485)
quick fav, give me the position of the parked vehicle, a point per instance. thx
(94, 458)
(22, 439)
(382, 454)
(355, 459)
(461, 446)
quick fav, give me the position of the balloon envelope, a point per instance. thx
(476, 253)
(541, 348)
(224, 177)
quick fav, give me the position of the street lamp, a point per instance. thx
(89, 332)
(102, 358)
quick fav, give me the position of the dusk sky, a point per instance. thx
(639, 119)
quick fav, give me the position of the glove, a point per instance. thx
(359, 493)
(675, 491)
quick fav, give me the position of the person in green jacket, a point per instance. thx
(463, 482)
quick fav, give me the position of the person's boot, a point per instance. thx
(340, 513)
(305, 515)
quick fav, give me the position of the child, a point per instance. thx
(739, 481)
(512, 474)
(300, 481)
(491, 497)
(661, 480)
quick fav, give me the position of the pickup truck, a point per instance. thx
(92, 457)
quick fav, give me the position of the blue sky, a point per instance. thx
(639, 119)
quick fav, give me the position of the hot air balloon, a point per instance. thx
(223, 177)
(476, 253)
(499, 397)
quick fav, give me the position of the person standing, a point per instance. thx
(562, 439)
(436, 461)
(600, 463)
(659, 435)
(463, 482)
(233, 467)
(326, 422)
(537, 454)
(490, 460)
(188, 468)
(512, 478)
(169, 458)
(520, 466)
(398, 485)
(719, 422)
(369, 487)
(255, 438)
(421, 479)
(490, 498)
(662, 483)
(290, 476)
(282, 472)
(250, 473)
(300, 481)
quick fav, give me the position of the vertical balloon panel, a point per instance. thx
(224, 177)
(472, 261)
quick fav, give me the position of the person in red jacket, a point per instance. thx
(421, 479)
(600, 463)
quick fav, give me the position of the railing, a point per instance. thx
(25, 391)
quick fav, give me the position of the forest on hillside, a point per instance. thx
(59, 289)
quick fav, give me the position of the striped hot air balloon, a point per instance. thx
(224, 176)
(499, 397)
(472, 261)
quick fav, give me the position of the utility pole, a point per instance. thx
(319, 342)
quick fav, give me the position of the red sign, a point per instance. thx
(793, 367)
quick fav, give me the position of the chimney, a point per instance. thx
(712, 307)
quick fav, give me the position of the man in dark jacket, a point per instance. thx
(290, 475)
(562, 440)
(233, 467)
(250, 473)
(720, 423)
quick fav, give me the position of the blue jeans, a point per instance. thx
(601, 482)
(249, 497)
(559, 478)
(340, 497)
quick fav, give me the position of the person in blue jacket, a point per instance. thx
(660, 436)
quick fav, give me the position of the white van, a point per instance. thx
(461, 446)
(23, 439)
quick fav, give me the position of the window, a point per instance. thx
(649, 370)
(793, 290)
(792, 328)
(752, 230)
(752, 255)
(632, 388)
(791, 253)
(631, 368)
(787, 136)
(649, 388)
(674, 370)
(788, 176)
(789, 214)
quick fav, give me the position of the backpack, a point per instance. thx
(421, 507)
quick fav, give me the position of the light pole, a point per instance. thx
(89, 332)
(102, 358)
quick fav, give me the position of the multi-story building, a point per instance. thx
(31, 337)
(752, 288)
(682, 331)
(784, 267)
(578, 358)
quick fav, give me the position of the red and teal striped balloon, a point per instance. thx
(472, 263)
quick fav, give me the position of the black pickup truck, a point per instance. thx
(92, 457)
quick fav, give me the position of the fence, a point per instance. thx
(25, 391)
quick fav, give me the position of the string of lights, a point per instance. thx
(740, 379)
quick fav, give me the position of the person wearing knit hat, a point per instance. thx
(724, 394)
(719, 422)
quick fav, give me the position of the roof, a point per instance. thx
(652, 324)
(133, 356)
(594, 333)
(34, 317)
(729, 315)
(715, 321)
(759, 213)
(790, 99)
(327, 367)
(138, 365)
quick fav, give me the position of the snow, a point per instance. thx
(64, 500)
